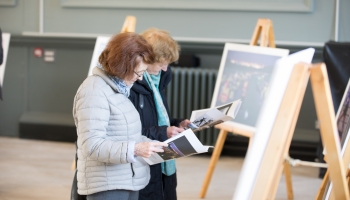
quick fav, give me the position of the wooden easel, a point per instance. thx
(264, 30)
(128, 26)
(346, 160)
(281, 134)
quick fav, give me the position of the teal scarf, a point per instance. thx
(168, 167)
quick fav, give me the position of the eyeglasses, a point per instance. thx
(139, 75)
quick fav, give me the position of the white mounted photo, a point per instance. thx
(5, 47)
(100, 45)
(245, 73)
(280, 78)
(205, 118)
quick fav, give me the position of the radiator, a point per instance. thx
(192, 89)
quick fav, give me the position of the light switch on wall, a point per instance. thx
(49, 55)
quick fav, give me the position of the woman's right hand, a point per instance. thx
(184, 124)
(146, 149)
(173, 130)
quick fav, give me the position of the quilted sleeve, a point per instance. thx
(92, 113)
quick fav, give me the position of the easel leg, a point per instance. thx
(214, 159)
(277, 178)
(263, 29)
(286, 166)
(323, 186)
(348, 178)
(288, 177)
(332, 195)
(129, 24)
(275, 183)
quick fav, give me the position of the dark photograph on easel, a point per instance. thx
(244, 73)
(343, 116)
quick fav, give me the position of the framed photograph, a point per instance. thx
(343, 116)
(245, 73)
(100, 45)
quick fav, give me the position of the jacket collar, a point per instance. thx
(99, 72)
(143, 87)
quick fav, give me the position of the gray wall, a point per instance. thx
(71, 26)
(315, 24)
(32, 85)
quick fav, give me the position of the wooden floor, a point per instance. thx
(41, 170)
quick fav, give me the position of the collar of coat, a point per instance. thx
(142, 87)
(99, 72)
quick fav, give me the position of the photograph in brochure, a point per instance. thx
(205, 118)
(181, 145)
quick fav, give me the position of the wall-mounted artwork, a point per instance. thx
(5, 47)
(100, 45)
(245, 73)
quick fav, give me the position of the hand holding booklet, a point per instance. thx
(206, 118)
(187, 143)
(181, 145)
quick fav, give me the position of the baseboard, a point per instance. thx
(47, 132)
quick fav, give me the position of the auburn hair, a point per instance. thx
(123, 54)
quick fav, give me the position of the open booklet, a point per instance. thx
(181, 145)
(206, 118)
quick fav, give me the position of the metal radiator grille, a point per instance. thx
(192, 89)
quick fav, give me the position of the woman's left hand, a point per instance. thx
(184, 124)
(146, 149)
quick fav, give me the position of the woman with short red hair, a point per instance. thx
(110, 144)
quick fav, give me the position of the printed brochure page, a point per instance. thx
(206, 118)
(181, 145)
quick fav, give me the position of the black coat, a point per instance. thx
(160, 187)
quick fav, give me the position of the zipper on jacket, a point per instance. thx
(161, 176)
(141, 101)
(132, 169)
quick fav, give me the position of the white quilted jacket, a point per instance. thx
(108, 126)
